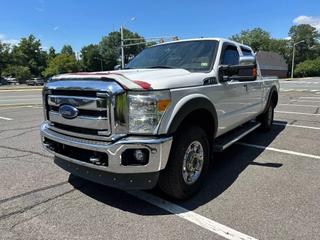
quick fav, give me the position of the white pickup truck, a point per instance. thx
(160, 120)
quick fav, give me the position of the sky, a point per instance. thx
(82, 22)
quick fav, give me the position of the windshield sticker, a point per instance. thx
(204, 64)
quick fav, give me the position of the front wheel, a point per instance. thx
(188, 163)
(266, 119)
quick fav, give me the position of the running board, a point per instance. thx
(226, 140)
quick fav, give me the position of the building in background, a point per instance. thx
(272, 64)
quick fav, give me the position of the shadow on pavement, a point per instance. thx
(223, 172)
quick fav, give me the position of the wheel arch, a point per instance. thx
(197, 109)
(272, 98)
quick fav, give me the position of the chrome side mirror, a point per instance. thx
(246, 70)
(247, 60)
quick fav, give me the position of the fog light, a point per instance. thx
(139, 155)
(135, 157)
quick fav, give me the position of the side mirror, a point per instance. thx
(246, 70)
(247, 60)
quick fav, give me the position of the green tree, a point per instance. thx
(91, 59)
(21, 73)
(4, 56)
(257, 38)
(310, 36)
(28, 53)
(308, 68)
(110, 47)
(280, 46)
(51, 53)
(67, 50)
(62, 63)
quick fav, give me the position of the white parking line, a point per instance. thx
(305, 101)
(300, 113)
(279, 150)
(298, 105)
(297, 82)
(193, 217)
(317, 98)
(300, 90)
(297, 126)
(5, 118)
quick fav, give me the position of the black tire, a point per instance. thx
(171, 180)
(266, 119)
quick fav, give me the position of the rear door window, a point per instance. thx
(246, 52)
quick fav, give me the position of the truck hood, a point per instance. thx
(143, 78)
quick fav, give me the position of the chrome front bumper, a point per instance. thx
(114, 174)
(159, 149)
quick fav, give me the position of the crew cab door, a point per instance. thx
(233, 99)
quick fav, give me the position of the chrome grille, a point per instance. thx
(95, 101)
(92, 122)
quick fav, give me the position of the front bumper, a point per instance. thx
(114, 174)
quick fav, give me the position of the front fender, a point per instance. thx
(187, 105)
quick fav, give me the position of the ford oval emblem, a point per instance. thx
(68, 111)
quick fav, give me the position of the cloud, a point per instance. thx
(56, 28)
(40, 8)
(314, 21)
(9, 41)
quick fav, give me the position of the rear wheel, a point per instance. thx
(188, 163)
(266, 119)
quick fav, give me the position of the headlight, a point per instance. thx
(146, 110)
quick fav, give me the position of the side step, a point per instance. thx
(226, 140)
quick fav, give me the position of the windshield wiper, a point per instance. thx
(161, 66)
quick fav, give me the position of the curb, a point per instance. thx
(20, 89)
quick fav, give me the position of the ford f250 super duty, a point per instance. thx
(160, 120)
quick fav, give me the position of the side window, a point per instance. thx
(230, 56)
(246, 52)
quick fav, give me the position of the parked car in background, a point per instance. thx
(35, 82)
(3, 81)
(8, 81)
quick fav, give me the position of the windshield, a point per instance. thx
(194, 56)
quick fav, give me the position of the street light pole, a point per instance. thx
(292, 64)
(293, 56)
(122, 47)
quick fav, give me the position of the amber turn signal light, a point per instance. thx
(163, 104)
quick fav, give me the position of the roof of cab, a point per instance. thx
(206, 39)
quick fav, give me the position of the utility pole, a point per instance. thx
(293, 56)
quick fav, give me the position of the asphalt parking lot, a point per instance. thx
(265, 187)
